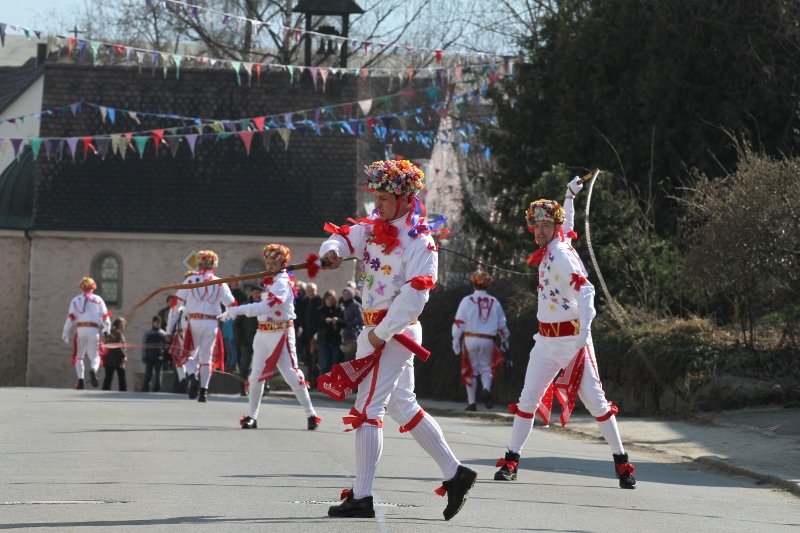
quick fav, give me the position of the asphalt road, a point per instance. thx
(93, 461)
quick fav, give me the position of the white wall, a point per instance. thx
(28, 102)
(60, 259)
(13, 313)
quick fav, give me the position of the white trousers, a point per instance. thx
(480, 357)
(87, 339)
(548, 356)
(264, 344)
(204, 335)
(390, 386)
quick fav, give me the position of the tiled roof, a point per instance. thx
(14, 81)
(221, 191)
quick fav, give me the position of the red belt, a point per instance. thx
(373, 318)
(275, 326)
(201, 316)
(559, 329)
(86, 325)
(479, 335)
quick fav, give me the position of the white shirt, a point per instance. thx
(277, 301)
(204, 300)
(385, 277)
(480, 312)
(87, 307)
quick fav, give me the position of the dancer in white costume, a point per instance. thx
(479, 319)
(399, 266)
(274, 343)
(201, 306)
(563, 348)
(86, 316)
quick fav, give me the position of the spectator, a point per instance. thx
(330, 319)
(115, 359)
(300, 302)
(247, 326)
(353, 323)
(231, 349)
(355, 293)
(310, 327)
(154, 343)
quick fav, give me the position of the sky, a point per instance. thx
(37, 14)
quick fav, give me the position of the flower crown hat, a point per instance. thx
(279, 252)
(87, 284)
(400, 177)
(207, 259)
(544, 211)
(480, 278)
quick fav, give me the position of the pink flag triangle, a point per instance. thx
(259, 122)
(157, 136)
(247, 138)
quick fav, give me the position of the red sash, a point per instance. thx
(217, 351)
(565, 388)
(466, 366)
(272, 360)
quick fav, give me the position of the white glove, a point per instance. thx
(229, 314)
(65, 338)
(582, 338)
(504, 345)
(574, 187)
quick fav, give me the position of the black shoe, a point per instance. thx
(156, 389)
(313, 422)
(145, 388)
(93, 378)
(203, 396)
(182, 386)
(457, 489)
(487, 399)
(508, 467)
(194, 384)
(624, 471)
(248, 422)
(352, 508)
(79, 385)
(471, 407)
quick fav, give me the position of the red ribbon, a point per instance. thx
(343, 231)
(345, 494)
(422, 283)
(627, 467)
(356, 419)
(572, 235)
(510, 465)
(382, 233)
(441, 491)
(536, 257)
(577, 281)
(515, 410)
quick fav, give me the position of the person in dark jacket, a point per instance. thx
(245, 328)
(330, 320)
(115, 359)
(153, 346)
(314, 300)
(353, 323)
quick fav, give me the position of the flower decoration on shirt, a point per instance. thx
(206, 259)
(400, 177)
(544, 211)
(87, 284)
(277, 252)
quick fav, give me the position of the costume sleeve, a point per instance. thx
(458, 324)
(106, 316)
(175, 308)
(225, 295)
(420, 261)
(502, 327)
(338, 242)
(575, 274)
(569, 217)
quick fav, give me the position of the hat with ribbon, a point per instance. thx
(279, 252)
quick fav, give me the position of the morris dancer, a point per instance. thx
(182, 362)
(478, 320)
(86, 316)
(399, 267)
(201, 306)
(274, 343)
(565, 313)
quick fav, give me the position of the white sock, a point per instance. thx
(79, 368)
(301, 391)
(205, 376)
(471, 390)
(610, 431)
(254, 397)
(369, 446)
(519, 433)
(181, 373)
(429, 436)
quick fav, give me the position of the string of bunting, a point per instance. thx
(212, 15)
(119, 143)
(143, 57)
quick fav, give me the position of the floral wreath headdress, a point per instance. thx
(544, 211)
(206, 259)
(277, 252)
(401, 177)
(480, 278)
(87, 284)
